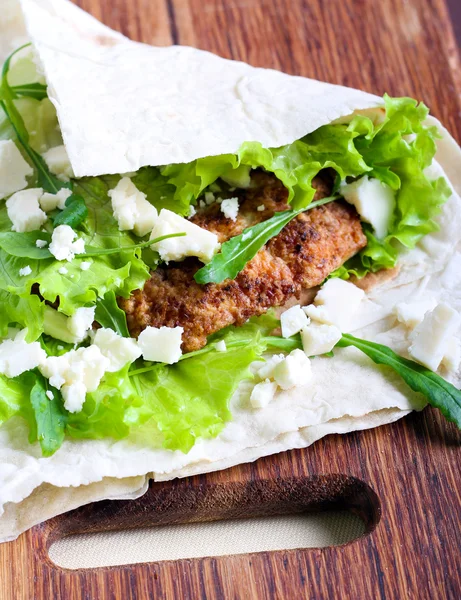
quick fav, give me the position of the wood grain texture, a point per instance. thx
(404, 48)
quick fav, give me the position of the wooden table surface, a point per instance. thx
(401, 47)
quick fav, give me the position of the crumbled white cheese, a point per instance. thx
(76, 373)
(230, 208)
(431, 337)
(117, 349)
(85, 265)
(221, 346)
(263, 393)
(63, 271)
(293, 320)
(209, 198)
(161, 344)
(412, 313)
(74, 396)
(63, 246)
(41, 243)
(81, 322)
(131, 208)
(266, 369)
(374, 201)
(192, 211)
(197, 241)
(261, 208)
(17, 356)
(452, 357)
(50, 202)
(58, 163)
(13, 169)
(49, 394)
(25, 271)
(336, 304)
(202, 204)
(24, 210)
(295, 369)
(319, 339)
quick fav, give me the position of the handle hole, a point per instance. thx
(198, 540)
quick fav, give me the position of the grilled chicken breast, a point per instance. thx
(305, 252)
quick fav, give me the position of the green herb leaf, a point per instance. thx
(46, 180)
(30, 90)
(440, 393)
(50, 415)
(110, 315)
(74, 213)
(239, 250)
(24, 245)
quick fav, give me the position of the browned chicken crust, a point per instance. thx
(306, 251)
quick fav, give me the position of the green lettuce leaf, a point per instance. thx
(295, 165)
(25, 312)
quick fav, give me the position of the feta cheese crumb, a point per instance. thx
(76, 373)
(17, 356)
(49, 394)
(117, 349)
(293, 320)
(336, 304)
(432, 336)
(81, 322)
(132, 209)
(221, 346)
(192, 211)
(266, 370)
(319, 339)
(374, 201)
(25, 271)
(58, 163)
(261, 208)
(209, 198)
(161, 344)
(50, 202)
(24, 210)
(197, 241)
(63, 246)
(63, 271)
(452, 356)
(41, 243)
(13, 169)
(295, 369)
(263, 393)
(85, 265)
(412, 313)
(202, 204)
(230, 208)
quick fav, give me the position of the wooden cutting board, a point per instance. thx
(403, 479)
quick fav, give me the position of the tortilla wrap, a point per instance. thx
(167, 123)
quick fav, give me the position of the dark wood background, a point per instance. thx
(408, 472)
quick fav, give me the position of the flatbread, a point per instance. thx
(348, 392)
(176, 105)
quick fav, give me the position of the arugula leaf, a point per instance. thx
(30, 90)
(73, 214)
(239, 250)
(109, 315)
(440, 393)
(49, 415)
(24, 245)
(46, 180)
